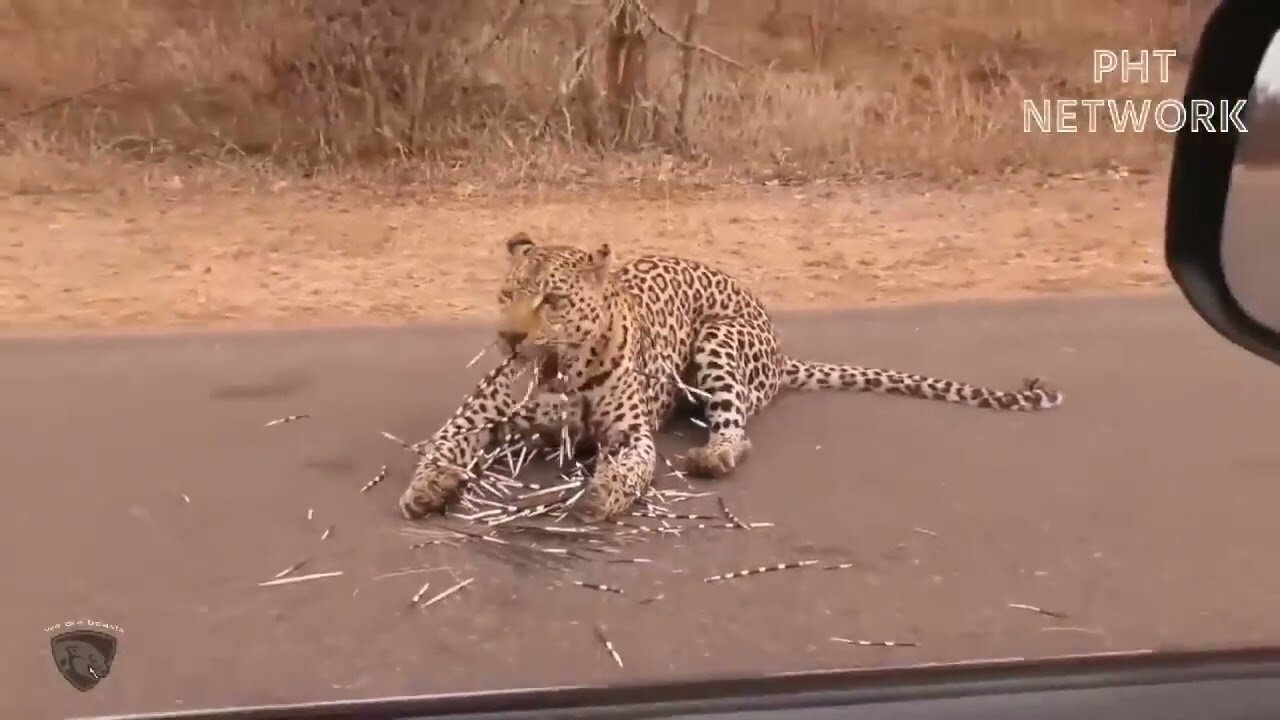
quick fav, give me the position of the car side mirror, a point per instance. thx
(1222, 220)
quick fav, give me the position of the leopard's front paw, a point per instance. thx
(431, 490)
(599, 503)
(715, 460)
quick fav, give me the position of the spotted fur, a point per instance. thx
(611, 335)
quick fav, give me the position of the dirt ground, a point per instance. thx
(288, 256)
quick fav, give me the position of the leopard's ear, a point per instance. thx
(519, 244)
(601, 260)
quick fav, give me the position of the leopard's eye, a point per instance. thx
(554, 300)
(505, 296)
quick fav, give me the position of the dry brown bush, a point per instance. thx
(830, 88)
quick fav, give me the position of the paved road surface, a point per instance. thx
(1144, 508)
(1250, 253)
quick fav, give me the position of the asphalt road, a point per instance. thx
(1143, 509)
(1250, 253)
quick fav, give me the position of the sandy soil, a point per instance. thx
(288, 256)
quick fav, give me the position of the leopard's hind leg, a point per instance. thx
(737, 370)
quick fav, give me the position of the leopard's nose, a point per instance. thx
(513, 338)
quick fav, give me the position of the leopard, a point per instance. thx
(619, 348)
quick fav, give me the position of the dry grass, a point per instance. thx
(173, 162)
(96, 90)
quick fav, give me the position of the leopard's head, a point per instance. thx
(552, 300)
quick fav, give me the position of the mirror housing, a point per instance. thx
(1224, 67)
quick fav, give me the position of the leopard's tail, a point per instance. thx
(806, 375)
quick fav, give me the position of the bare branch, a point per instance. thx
(648, 15)
(695, 11)
(578, 65)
